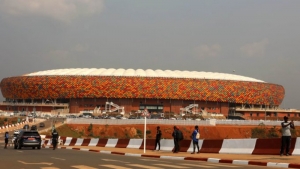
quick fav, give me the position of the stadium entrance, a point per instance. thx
(152, 108)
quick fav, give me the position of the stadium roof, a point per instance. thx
(142, 73)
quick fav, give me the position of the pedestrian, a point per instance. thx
(6, 136)
(180, 137)
(55, 136)
(286, 135)
(176, 140)
(195, 139)
(157, 138)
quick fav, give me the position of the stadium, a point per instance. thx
(127, 90)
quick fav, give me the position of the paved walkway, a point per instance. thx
(263, 160)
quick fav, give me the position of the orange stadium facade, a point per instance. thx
(160, 91)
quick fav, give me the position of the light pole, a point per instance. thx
(145, 125)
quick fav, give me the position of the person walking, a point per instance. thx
(176, 140)
(158, 137)
(55, 136)
(195, 139)
(6, 136)
(286, 135)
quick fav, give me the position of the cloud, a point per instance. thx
(62, 54)
(67, 53)
(62, 10)
(81, 47)
(255, 49)
(203, 51)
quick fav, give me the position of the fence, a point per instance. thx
(252, 122)
(211, 122)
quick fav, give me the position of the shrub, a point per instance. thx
(148, 132)
(272, 133)
(90, 129)
(139, 133)
(258, 132)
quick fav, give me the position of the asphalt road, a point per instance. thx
(46, 158)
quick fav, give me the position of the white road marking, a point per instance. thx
(115, 166)
(35, 163)
(58, 158)
(143, 166)
(115, 160)
(199, 165)
(229, 165)
(171, 166)
(148, 159)
(83, 167)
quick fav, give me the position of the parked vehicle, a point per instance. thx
(30, 138)
(42, 124)
(26, 127)
(33, 127)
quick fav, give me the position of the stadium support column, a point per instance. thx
(170, 108)
(265, 113)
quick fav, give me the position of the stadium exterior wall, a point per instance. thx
(120, 87)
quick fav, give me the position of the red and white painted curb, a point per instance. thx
(8, 127)
(212, 160)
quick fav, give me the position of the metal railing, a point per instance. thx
(252, 122)
(139, 121)
(211, 122)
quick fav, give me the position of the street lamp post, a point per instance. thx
(145, 126)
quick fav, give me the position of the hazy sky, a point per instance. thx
(258, 39)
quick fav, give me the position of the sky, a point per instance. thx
(258, 39)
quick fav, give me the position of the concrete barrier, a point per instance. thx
(211, 146)
(166, 144)
(122, 143)
(296, 150)
(238, 146)
(226, 146)
(270, 146)
(190, 149)
(93, 142)
(111, 143)
(135, 143)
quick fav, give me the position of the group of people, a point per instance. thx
(195, 136)
(177, 137)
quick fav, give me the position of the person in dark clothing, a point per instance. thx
(6, 136)
(286, 135)
(55, 136)
(195, 140)
(158, 137)
(176, 140)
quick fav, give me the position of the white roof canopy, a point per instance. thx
(142, 73)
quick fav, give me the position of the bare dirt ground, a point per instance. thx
(137, 131)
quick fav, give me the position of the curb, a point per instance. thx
(211, 160)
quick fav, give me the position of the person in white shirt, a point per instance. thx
(286, 135)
